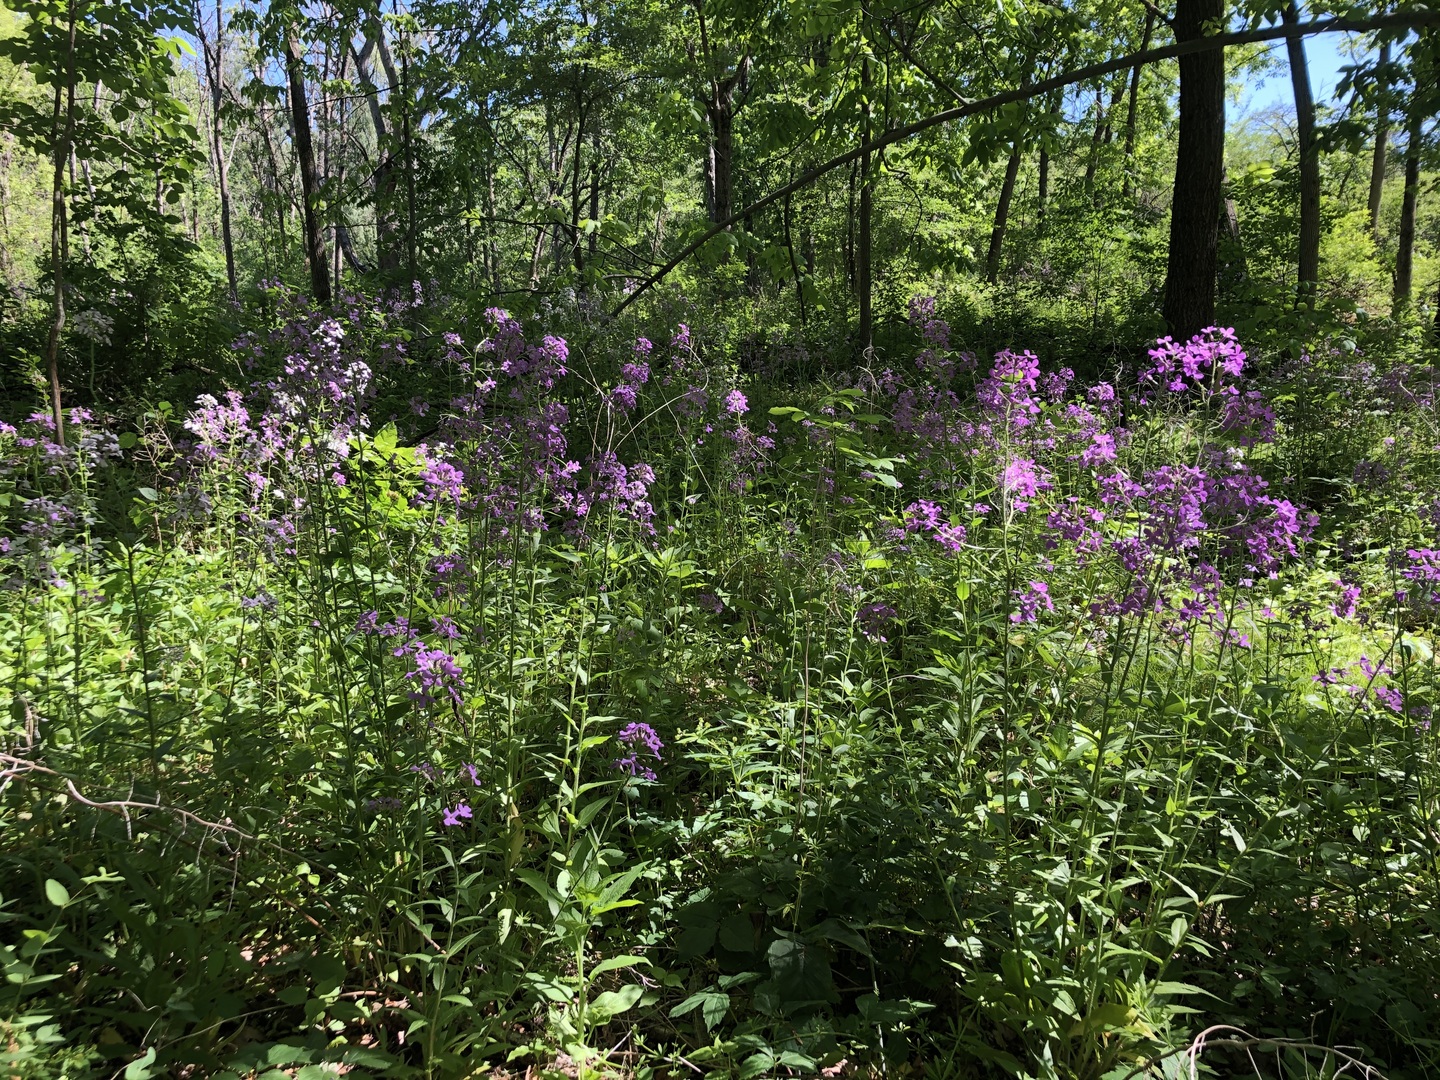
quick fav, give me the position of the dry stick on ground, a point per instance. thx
(1404, 20)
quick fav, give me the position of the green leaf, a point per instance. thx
(713, 1005)
(58, 895)
(139, 1069)
(614, 1002)
(616, 963)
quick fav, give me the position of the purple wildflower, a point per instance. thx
(639, 738)
(458, 816)
(1030, 600)
(873, 619)
(436, 675)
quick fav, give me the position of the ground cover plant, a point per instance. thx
(732, 539)
(605, 713)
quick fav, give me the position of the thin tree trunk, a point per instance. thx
(1096, 140)
(62, 135)
(81, 228)
(305, 151)
(387, 247)
(849, 252)
(1128, 186)
(577, 250)
(1435, 330)
(215, 80)
(794, 263)
(1377, 163)
(865, 283)
(1195, 205)
(1308, 259)
(1405, 252)
(1002, 215)
(491, 246)
(408, 135)
(1043, 184)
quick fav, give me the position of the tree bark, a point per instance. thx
(1308, 258)
(864, 269)
(1377, 162)
(62, 135)
(215, 77)
(1096, 140)
(1132, 106)
(309, 184)
(1043, 184)
(1002, 215)
(1435, 330)
(1195, 206)
(382, 178)
(1405, 251)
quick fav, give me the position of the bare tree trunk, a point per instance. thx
(215, 80)
(1309, 240)
(794, 263)
(1096, 140)
(387, 247)
(1002, 215)
(62, 135)
(407, 133)
(7, 155)
(865, 283)
(1130, 109)
(1377, 163)
(577, 250)
(1195, 205)
(849, 252)
(305, 151)
(1043, 183)
(1405, 251)
(1435, 330)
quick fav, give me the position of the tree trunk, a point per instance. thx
(1435, 330)
(1043, 184)
(865, 283)
(1377, 163)
(309, 184)
(1002, 215)
(215, 74)
(785, 215)
(387, 246)
(62, 135)
(592, 241)
(407, 134)
(849, 252)
(1309, 241)
(1133, 104)
(1096, 140)
(722, 158)
(1195, 205)
(1405, 252)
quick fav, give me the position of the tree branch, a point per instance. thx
(1398, 20)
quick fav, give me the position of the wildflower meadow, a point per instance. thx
(451, 701)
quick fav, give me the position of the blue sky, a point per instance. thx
(1325, 55)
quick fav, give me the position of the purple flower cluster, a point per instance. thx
(1211, 362)
(639, 740)
(1030, 601)
(633, 375)
(874, 619)
(924, 516)
(435, 674)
